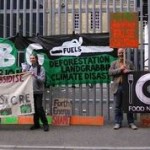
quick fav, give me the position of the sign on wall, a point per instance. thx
(136, 97)
(16, 95)
(61, 111)
(124, 30)
(78, 70)
(68, 59)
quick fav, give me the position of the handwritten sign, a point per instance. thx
(61, 111)
(124, 30)
(61, 120)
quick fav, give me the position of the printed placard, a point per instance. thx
(16, 95)
(136, 97)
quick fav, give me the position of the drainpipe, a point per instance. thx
(148, 35)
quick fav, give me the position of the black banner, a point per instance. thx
(137, 92)
(67, 59)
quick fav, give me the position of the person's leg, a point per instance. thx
(36, 115)
(130, 118)
(118, 106)
(41, 112)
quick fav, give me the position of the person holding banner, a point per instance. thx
(117, 69)
(38, 74)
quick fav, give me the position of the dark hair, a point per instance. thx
(35, 55)
(38, 65)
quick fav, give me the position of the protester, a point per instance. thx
(38, 74)
(117, 69)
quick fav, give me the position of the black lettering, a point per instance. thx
(55, 111)
(27, 98)
(13, 100)
(21, 99)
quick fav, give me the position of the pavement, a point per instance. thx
(19, 137)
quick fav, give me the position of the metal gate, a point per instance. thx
(51, 17)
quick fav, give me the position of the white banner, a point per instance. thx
(16, 95)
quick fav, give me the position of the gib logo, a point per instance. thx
(6, 58)
(75, 48)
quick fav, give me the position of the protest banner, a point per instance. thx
(67, 59)
(16, 95)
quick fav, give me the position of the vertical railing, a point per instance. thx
(5, 20)
(11, 18)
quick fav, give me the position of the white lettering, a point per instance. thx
(148, 108)
(6, 58)
(29, 50)
(136, 108)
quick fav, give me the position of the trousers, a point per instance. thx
(39, 111)
(118, 102)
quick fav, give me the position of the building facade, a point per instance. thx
(51, 17)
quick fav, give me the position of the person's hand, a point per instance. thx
(123, 67)
(23, 70)
(125, 71)
(33, 74)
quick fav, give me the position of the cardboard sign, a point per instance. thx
(124, 30)
(61, 111)
(60, 120)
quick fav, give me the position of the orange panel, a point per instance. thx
(86, 120)
(25, 120)
(124, 30)
(145, 120)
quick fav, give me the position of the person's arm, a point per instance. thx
(41, 76)
(129, 67)
(113, 70)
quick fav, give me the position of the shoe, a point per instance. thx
(133, 126)
(34, 127)
(117, 126)
(45, 128)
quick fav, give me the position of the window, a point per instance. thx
(95, 20)
(76, 21)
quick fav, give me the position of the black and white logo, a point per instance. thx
(142, 89)
(75, 48)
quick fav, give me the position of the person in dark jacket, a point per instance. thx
(117, 69)
(38, 74)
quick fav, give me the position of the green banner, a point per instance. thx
(67, 59)
(78, 70)
(8, 57)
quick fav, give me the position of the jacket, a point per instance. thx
(38, 79)
(116, 73)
